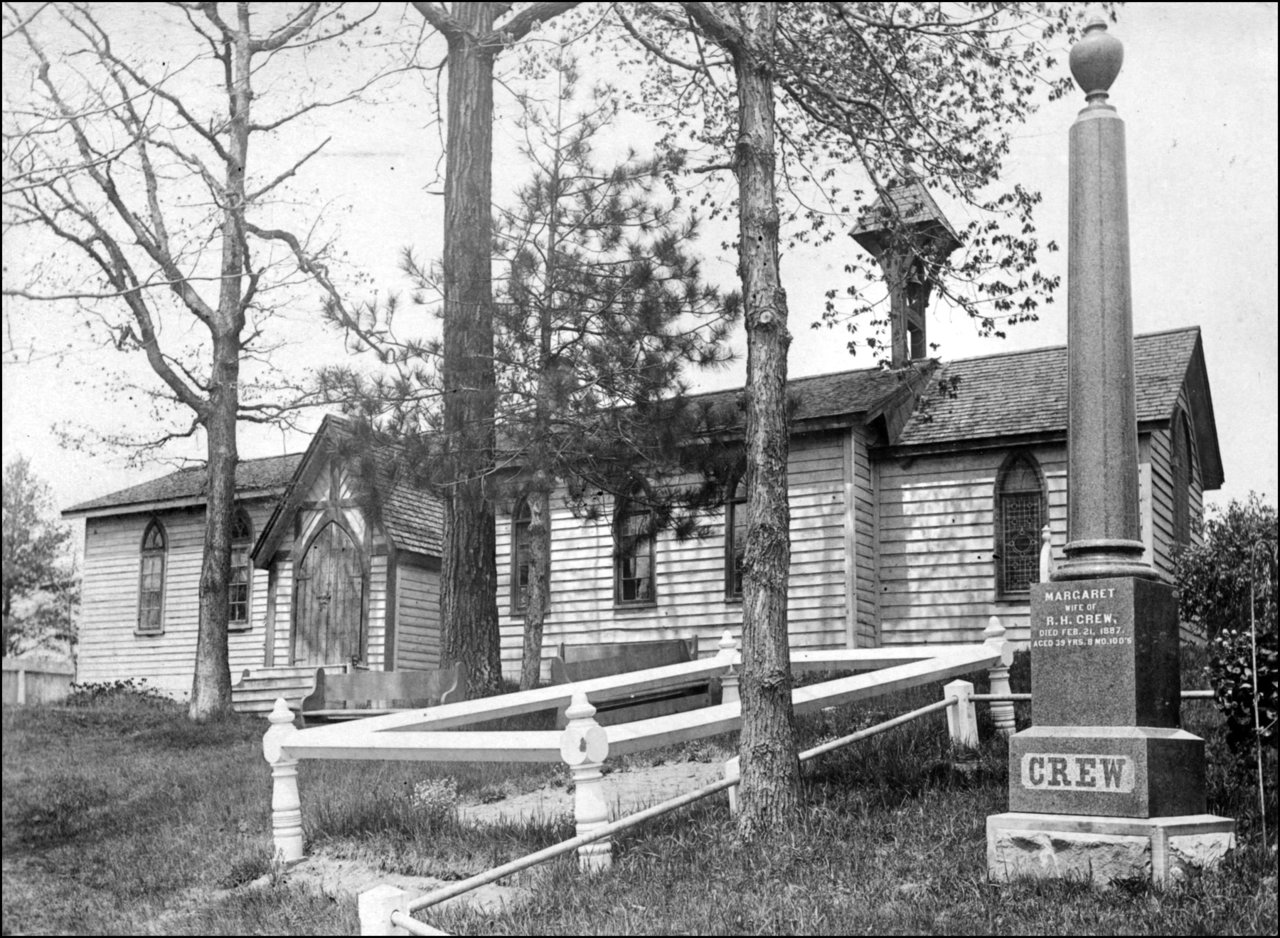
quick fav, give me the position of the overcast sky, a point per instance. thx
(1198, 96)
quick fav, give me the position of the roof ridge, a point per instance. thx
(1063, 346)
(794, 380)
(108, 499)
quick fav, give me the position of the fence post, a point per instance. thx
(286, 806)
(1001, 710)
(729, 680)
(375, 907)
(732, 770)
(22, 685)
(962, 718)
(584, 746)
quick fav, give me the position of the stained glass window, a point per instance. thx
(1019, 519)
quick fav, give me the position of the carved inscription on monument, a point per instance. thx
(1107, 773)
(1070, 618)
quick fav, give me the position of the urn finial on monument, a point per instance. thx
(1096, 60)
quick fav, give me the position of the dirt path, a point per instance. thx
(627, 791)
(344, 878)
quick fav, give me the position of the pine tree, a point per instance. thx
(602, 309)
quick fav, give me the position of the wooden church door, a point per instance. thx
(329, 595)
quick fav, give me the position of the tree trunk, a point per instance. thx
(468, 600)
(770, 770)
(211, 685)
(539, 597)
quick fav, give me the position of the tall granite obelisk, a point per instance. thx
(1105, 784)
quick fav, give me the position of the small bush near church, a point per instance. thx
(1227, 594)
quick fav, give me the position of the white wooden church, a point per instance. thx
(918, 494)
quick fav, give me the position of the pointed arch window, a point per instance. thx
(1181, 472)
(240, 589)
(520, 558)
(1020, 515)
(151, 580)
(633, 557)
(735, 539)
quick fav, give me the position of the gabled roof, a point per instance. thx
(1023, 394)
(255, 478)
(819, 399)
(913, 207)
(411, 517)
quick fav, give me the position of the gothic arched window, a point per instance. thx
(1181, 472)
(735, 539)
(151, 580)
(520, 521)
(1020, 515)
(633, 557)
(240, 591)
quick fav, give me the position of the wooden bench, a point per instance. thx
(359, 694)
(583, 662)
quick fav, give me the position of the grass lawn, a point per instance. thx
(122, 819)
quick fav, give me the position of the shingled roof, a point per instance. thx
(815, 399)
(411, 517)
(911, 204)
(190, 486)
(1025, 393)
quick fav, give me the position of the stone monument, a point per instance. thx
(1105, 785)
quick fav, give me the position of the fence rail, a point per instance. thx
(400, 907)
(584, 746)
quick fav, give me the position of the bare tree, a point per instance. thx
(141, 173)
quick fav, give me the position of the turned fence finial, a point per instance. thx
(1046, 554)
(1002, 714)
(584, 746)
(286, 806)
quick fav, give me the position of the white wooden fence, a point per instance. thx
(40, 683)
(584, 745)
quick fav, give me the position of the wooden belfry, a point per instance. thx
(1106, 785)
(907, 234)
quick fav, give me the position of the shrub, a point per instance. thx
(1231, 672)
(130, 690)
(1227, 593)
(1237, 556)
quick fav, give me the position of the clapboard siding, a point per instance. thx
(109, 649)
(936, 540)
(375, 633)
(283, 631)
(417, 617)
(690, 575)
(1162, 494)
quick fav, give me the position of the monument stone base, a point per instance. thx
(1104, 849)
(1109, 771)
